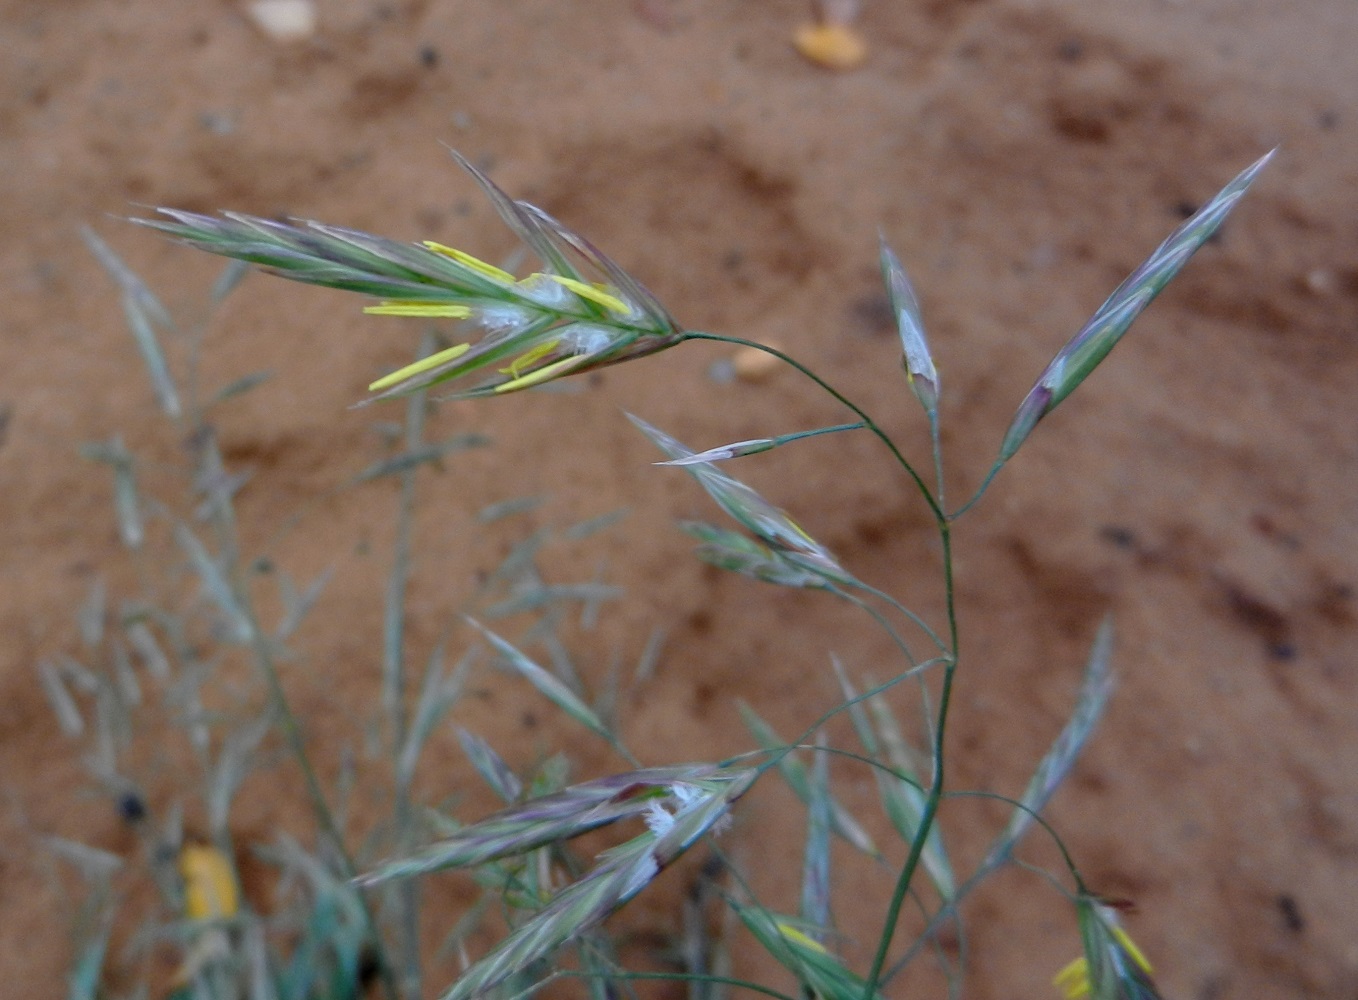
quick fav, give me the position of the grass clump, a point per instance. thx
(354, 914)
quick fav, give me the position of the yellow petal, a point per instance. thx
(209, 883)
(423, 365)
(542, 374)
(595, 295)
(446, 309)
(834, 46)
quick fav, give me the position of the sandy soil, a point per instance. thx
(1021, 155)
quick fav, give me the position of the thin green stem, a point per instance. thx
(880, 619)
(868, 422)
(394, 685)
(988, 867)
(935, 795)
(916, 619)
(980, 492)
(936, 446)
(782, 439)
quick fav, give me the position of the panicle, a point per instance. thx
(580, 312)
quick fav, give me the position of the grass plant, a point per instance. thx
(349, 914)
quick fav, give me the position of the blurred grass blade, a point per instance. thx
(491, 766)
(822, 974)
(550, 594)
(95, 864)
(129, 688)
(152, 356)
(520, 558)
(59, 696)
(231, 276)
(547, 685)
(153, 658)
(126, 504)
(90, 617)
(650, 657)
(904, 800)
(261, 980)
(296, 606)
(215, 584)
(85, 680)
(83, 981)
(239, 387)
(1082, 354)
(794, 773)
(438, 693)
(593, 601)
(416, 457)
(233, 765)
(508, 508)
(815, 907)
(578, 532)
(857, 713)
(125, 278)
(1056, 764)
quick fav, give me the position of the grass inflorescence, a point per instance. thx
(354, 917)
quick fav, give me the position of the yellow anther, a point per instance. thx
(542, 374)
(209, 883)
(797, 937)
(528, 357)
(1129, 946)
(436, 309)
(1073, 980)
(468, 261)
(423, 365)
(595, 294)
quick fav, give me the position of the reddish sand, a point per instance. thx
(1021, 155)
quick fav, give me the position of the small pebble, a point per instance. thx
(722, 372)
(833, 46)
(1320, 281)
(753, 365)
(284, 21)
(217, 122)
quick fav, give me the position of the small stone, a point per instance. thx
(217, 122)
(1319, 281)
(753, 365)
(722, 372)
(833, 46)
(284, 21)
